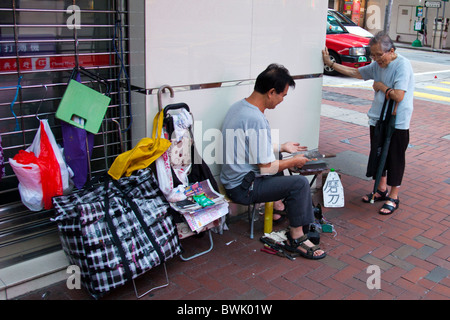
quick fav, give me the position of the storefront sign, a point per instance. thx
(44, 46)
(29, 45)
(348, 5)
(418, 25)
(432, 4)
(54, 63)
(356, 11)
(419, 11)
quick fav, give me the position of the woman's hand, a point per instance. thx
(379, 86)
(326, 57)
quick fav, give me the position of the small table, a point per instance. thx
(311, 168)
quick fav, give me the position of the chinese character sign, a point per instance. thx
(333, 191)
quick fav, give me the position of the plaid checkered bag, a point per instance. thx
(131, 212)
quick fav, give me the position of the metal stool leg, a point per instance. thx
(200, 253)
(251, 217)
(154, 288)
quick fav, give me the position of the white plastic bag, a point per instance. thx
(35, 147)
(177, 157)
(37, 169)
(165, 180)
(30, 187)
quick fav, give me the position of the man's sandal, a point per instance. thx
(390, 207)
(293, 244)
(281, 219)
(383, 196)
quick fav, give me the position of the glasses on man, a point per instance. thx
(377, 56)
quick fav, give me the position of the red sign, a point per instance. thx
(355, 11)
(348, 5)
(54, 63)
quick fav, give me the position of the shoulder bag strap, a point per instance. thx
(138, 214)
(113, 229)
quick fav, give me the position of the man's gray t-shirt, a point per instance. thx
(397, 75)
(247, 142)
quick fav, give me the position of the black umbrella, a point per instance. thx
(388, 129)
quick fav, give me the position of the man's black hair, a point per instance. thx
(275, 76)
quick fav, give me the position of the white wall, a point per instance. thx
(197, 42)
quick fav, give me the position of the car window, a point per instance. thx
(334, 27)
(342, 18)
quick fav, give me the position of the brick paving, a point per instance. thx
(411, 247)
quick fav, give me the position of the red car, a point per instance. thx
(345, 48)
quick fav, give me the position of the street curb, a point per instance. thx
(429, 49)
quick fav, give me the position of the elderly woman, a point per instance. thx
(393, 79)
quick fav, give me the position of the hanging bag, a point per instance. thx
(27, 171)
(44, 156)
(177, 159)
(143, 154)
(83, 107)
(78, 144)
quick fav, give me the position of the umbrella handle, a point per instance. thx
(395, 109)
(388, 91)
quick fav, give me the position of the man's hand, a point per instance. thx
(292, 147)
(300, 160)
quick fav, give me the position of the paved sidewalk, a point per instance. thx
(411, 247)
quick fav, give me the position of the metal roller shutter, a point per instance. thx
(40, 44)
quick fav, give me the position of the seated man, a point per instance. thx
(249, 172)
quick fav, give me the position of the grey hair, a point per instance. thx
(384, 40)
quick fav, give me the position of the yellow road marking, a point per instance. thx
(431, 96)
(438, 88)
(416, 93)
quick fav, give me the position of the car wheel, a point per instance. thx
(334, 57)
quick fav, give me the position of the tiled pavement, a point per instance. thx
(411, 247)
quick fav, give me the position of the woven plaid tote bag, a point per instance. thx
(116, 230)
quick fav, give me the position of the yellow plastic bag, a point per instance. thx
(143, 154)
